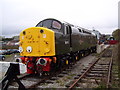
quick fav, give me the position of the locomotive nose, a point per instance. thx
(37, 41)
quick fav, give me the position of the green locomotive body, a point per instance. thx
(69, 38)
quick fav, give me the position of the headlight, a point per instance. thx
(20, 49)
(42, 61)
(29, 49)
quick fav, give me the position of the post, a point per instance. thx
(11, 74)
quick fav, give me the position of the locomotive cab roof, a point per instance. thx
(50, 23)
(55, 24)
(51, 20)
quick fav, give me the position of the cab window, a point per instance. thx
(46, 23)
(51, 24)
(67, 31)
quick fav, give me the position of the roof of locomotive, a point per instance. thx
(64, 22)
(48, 19)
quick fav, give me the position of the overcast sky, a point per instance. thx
(17, 15)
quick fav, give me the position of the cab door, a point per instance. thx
(67, 36)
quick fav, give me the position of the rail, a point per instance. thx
(83, 74)
(109, 73)
(75, 83)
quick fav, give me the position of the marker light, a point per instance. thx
(29, 49)
(20, 49)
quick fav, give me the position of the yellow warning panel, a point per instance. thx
(37, 41)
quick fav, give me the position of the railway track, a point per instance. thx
(31, 81)
(60, 80)
(95, 74)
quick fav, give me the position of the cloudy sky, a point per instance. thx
(17, 15)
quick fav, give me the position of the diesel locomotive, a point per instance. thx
(52, 44)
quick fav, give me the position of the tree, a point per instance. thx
(116, 34)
